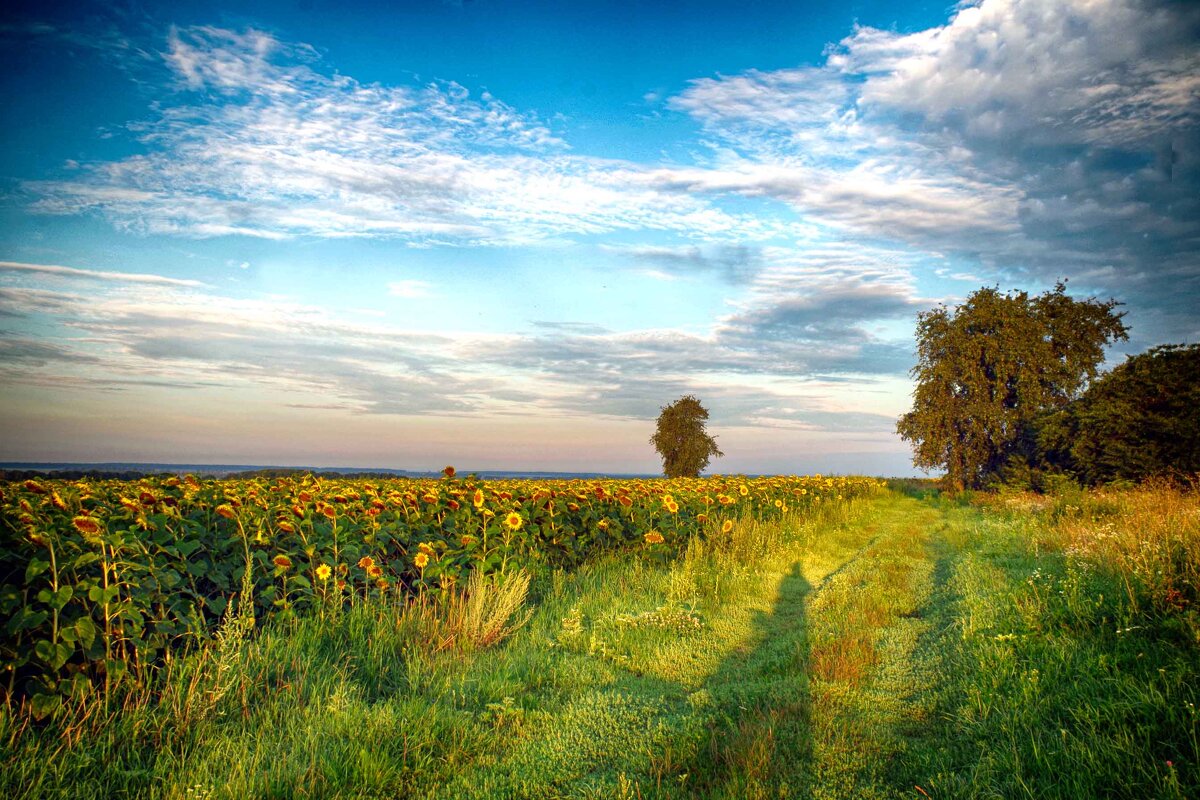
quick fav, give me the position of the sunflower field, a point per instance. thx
(102, 579)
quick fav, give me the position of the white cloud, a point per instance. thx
(93, 274)
(760, 362)
(1028, 138)
(409, 289)
(259, 143)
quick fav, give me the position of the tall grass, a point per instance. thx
(1007, 648)
(1148, 535)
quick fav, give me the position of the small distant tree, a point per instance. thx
(681, 439)
(986, 370)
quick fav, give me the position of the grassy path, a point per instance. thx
(888, 647)
(806, 681)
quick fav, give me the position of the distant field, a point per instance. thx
(723, 637)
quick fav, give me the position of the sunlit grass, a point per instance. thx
(862, 650)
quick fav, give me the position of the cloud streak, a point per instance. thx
(96, 275)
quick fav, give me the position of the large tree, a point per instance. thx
(987, 368)
(681, 439)
(1140, 420)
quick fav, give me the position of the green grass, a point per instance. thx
(888, 644)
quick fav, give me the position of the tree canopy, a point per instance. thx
(988, 368)
(1140, 420)
(681, 439)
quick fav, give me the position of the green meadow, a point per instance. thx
(900, 644)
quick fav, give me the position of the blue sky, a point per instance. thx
(502, 235)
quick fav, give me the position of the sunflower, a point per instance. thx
(449, 472)
(421, 561)
(513, 520)
(224, 510)
(86, 525)
(653, 537)
(727, 526)
(375, 571)
(282, 561)
(477, 498)
(366, 562)
(324, 571)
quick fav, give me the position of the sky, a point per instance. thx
(502, 235)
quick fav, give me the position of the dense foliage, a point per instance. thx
(1139, 421)
(681, 439)
(988, 368)
(98, 579)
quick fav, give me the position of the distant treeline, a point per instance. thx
(75, 474)
(132, 474)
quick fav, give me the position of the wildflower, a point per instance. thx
(225, 510)
(513, 520)
(323, 572)
(449, 472)
(282, 561)
(653, 537)
(727, 526)
(366, 562)
(477, 498)
(421, 560)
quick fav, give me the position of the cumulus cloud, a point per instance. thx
(1033, 137)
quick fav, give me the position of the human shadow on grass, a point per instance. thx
(744, 733)
(759, 734)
